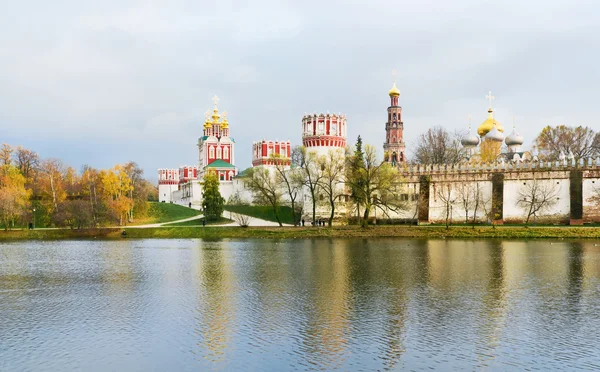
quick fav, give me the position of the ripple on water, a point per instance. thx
(299, 305)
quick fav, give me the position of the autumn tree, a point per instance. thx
(583, 142)
(50, 184)
(376, 185)
(311, 177)
(117, 186)
(27, 161)
(536, 196)
(265, 188)
(438, 146)
(489, 151)
(14, 198)
(212, 201)
(332, 182)
(6, 154)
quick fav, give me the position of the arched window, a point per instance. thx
(219, 152)
(334, 129)
(212, 152)
(221, 177)
(226, 152)
(394, 116)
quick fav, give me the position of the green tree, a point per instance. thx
(212, 201)
(377, 185)
(356, 162)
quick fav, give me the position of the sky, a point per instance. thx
(105, 82)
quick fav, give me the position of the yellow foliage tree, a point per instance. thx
(489, 151)
(117, 185)
(13, 195)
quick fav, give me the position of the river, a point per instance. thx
(268, 305)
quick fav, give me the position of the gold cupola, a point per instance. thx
(489, 124)
(394, 92)
(207, 120)
(224, 122)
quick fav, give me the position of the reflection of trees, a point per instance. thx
(216, 305)
(328, 311)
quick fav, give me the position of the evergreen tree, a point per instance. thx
(212, 201)
(356, 162)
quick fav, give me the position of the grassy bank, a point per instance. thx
(166, 212)
(433, 232)
(263, 212)
(198, 222)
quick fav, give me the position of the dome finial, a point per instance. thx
(489, 97)
(394, 92)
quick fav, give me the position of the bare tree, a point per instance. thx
(465, 198)
(583, 142)
(478, 201)
(438, 146)
(444, 193)
(311, 176)
(242, 219)
(536, 196)
(27, 161)
(290, 179)
(265, 189)
(332, 182)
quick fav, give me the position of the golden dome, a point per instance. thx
(215, 116)
(489, 124)
(224, 122)
(394, 92)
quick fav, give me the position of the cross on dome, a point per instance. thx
(215, 100)
(489, 97)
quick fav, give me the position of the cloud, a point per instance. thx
(142, 73)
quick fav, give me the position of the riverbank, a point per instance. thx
(186, 232)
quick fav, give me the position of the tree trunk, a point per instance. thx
(365, 221)
(332, 203)
(314, 208)
(277, 215)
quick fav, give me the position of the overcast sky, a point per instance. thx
(130, 80)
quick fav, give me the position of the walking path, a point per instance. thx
(252, 221)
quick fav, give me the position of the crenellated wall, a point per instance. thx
(573, 187)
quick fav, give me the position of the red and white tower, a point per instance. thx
(323, 132)
(263, 151)
(394, 148)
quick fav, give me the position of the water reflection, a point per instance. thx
(382, 304)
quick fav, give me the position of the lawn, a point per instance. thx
(198, 222)
(167, 212)
(263, 212)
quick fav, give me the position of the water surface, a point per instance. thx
(338, 304)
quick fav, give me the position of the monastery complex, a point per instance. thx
(433, 193)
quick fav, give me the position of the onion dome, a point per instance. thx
(224, 122)
(494, 135)
(488, 124)
(207, 120)
(469, 140)
(514, 139)
(394, 92)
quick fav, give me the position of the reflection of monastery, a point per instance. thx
(429, 190)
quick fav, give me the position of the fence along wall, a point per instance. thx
(574, 188)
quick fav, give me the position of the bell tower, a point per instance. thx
(394, 148)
